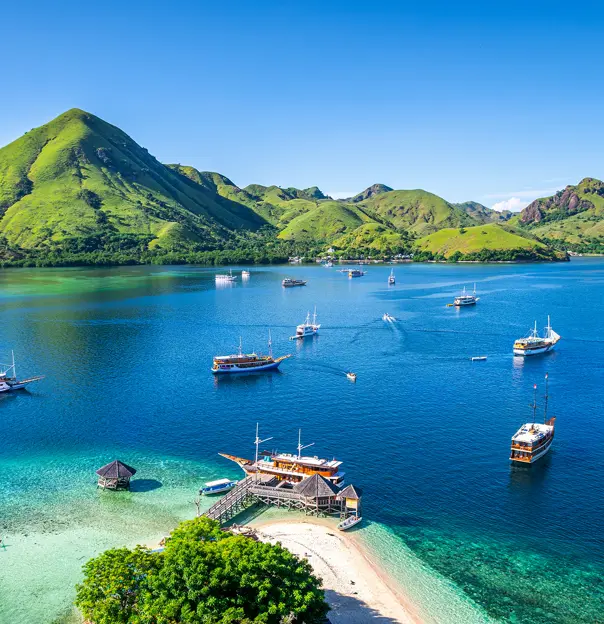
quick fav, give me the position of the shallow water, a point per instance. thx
(425, 431)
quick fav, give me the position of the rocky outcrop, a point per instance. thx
(566, 202)
(374, 189)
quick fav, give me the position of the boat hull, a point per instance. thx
(537, 351)
(536, 456)
(344, 526)
(255, 369)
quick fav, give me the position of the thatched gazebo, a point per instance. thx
(351, 497)
(319, 493)
(115, 475)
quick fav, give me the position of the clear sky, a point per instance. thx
(499, 102)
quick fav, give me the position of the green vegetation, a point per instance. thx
(80, 191)
(203, 576)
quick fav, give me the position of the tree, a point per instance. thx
(110, 593)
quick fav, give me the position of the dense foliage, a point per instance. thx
(203, 576)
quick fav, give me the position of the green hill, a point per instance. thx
(573, 217)
(482, 214)
(79, 176)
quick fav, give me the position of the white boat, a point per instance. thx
(466, 300)
(328, 264)
(351, 376)
(245, 274)
(349, 522)
(388, 318)
(391, 278)
(8, 377)
(217, 487)
(306, 329)
(533, 440)
(226, 277)
(479, 358)
(534, 344)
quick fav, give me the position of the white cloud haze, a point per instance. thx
(515, 204)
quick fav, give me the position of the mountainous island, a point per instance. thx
(78, 190)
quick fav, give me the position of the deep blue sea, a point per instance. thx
(424, 431)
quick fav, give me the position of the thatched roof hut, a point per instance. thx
(115, 475)
(351, 492)
(316, 486)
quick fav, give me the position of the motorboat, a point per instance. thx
(217, 487)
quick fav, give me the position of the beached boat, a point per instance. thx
(533, 440)
(388, 318)
(222, 277)
(247, 362)
(217, 487)
(290, 467)
(464, 299)
(8, 377)
(307, 329)
(534, 344)
(288, 282)
(355, 273)
(349, 522)
(391, 278)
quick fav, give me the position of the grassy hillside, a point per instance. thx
(482, 214)
(417, 211)
(79, 176)
(471, 240)
(374, 239)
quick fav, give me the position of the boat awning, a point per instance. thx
(218, 482)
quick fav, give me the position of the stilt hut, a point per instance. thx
(115, 476)
(350, 498)
(318, 493)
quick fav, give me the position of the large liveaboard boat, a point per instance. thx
(534, 344)
(355, 273)
(226, 277)
(465, 299)
(288, 282)
(8, 377)
(307, 329)
(290, 467)
(247, 362)
(533, 440)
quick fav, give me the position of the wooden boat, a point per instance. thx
(217, 487)
(534, 344)
(288, 282)
(247, 362)
(349, 522)
(9, 381)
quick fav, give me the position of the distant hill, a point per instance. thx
(79, 176)
(368, 193)
(573, 217)
(482, 214)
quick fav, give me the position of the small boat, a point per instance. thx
(351, 376)
(388, 318)
(306, 329)
(391, 278)
(217, 487)
(288, 282)
(534, 344)
(226, 278)
(533, 440)
(8, 378)
(245, 274)
(479, 358)
(355, 273)
(247, 362)
(466, 300)
(328, 264)
(349, 522)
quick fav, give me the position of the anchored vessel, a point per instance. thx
(247, 362)
(533, 440)
(8, 377)
(245, 274)
(217, 487)
(307, 328)
(226, 278)
(290, 467)
(466, 300)
(534, 344)
(288, 282)
(355, 273)
(391, 278)
(387, 317)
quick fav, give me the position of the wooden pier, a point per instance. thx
(314, 496)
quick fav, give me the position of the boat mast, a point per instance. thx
(270, 344)
(314, 316)
(258, 442)
(534, 405)
(548, 328)
(240, 346)
(13, 366)
(300, 447)
(546, 397)
(535, 333)
(474, 289)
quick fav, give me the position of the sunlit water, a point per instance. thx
(424, 431)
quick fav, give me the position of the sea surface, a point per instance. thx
(425, 432)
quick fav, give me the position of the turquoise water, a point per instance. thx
(126, 353)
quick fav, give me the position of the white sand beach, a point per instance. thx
(356, 590)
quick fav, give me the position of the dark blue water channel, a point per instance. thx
(424, 431)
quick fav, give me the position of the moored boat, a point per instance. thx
(217, 487)
(288, 282)
(349, 522)
(534, 344)
(245, 274)
(391, 278)
(247, 362)
(223, 277)
(533, 440)
(352, 376)
(464, 299)
(290, 467)
(306, 329)
(388, 318)
(355, 273)
(8, 378)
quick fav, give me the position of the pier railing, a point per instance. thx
(232, 503)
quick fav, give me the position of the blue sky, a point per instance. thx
(496, 102)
